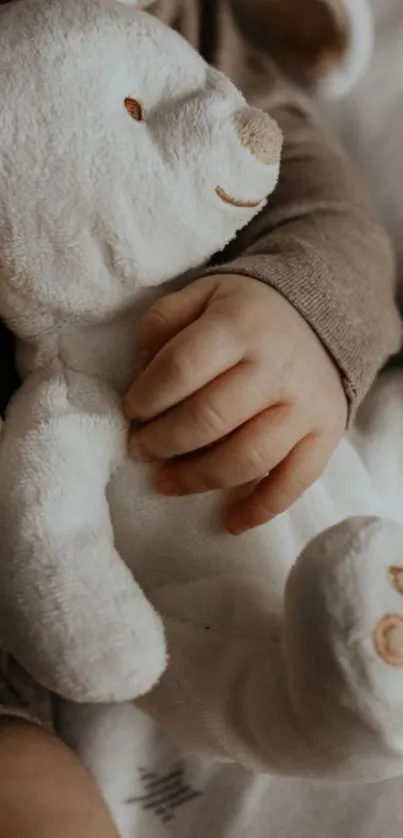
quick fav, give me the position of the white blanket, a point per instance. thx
(152, 789)
(153, 792)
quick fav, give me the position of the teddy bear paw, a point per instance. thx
(344, 604)
(388, 632)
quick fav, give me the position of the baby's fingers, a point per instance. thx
(247, 455)
(204, 419)
(197, 355)
(281, 488)
(172, 313)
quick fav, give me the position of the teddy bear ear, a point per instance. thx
(324, 43)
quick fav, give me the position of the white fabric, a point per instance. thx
(155, 790)
(234, 803)
(98, 209)
(95, 210)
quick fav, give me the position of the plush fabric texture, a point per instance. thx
(155, 789)
(123, 166)
(103, 208)
(151, 787)
(294, 243)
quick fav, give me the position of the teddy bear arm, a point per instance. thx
(70, 611)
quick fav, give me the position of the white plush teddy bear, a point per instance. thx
(125, 161)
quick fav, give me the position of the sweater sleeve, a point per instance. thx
(318, 243)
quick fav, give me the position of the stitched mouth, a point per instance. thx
(235, 202)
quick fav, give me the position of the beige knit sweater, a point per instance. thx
(317, 242)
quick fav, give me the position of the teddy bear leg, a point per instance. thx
(344, 645)
(316, 692)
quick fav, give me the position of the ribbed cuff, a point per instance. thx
(358, 350)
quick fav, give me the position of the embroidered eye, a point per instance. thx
(134, 108)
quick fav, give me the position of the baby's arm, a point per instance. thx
(319, 244)
(44, 790)
(64, 585)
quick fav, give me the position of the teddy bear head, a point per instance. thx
(125, 159)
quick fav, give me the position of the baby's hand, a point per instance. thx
(238, 389)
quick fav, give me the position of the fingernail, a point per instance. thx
(169, 486)
(235, 525)
(138, 452)
(236, 528)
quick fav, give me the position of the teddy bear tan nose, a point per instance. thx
(260, 134)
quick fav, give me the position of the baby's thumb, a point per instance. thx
(171, 314)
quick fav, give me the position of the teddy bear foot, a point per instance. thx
(125, 666)
(121, 661)
(344, 638)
